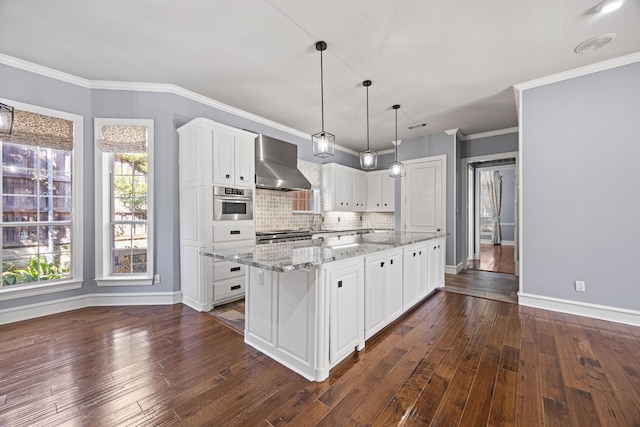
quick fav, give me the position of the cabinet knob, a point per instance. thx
(414, 254)
(437, 229)
(377, 204)
(226, 176)
(382, 264)
(391, 262)
(242, 178)
(385, 204)
(420, 253)
(339, 283)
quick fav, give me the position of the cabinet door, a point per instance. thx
(244, 161)
(374, 194)
(439, 264)
(393, 286)
(411, 276)
(388, 193)
(223, 158)
(422, 266)
(375, 294)
(359, 191)
(346, 312)
(344, 189)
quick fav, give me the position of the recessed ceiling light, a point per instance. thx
(609, 6)
(595, 43)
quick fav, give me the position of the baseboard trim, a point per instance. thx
(602, 312)
(32, 311)
(453, 269)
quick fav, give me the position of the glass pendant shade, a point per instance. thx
(396, 168)
(368, 158)
(6, 119)
(324, 144)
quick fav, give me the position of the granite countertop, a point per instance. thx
(300, 254)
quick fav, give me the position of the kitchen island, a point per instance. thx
(311, 303)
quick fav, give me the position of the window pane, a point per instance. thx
(36, 188)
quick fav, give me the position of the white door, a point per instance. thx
(423, 194)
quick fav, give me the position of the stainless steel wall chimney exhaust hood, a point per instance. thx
(277, 165)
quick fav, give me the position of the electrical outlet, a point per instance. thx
(156, 279)
(580, 286)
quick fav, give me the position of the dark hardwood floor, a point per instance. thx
(454, 360)
(496, 258)
(483, 284)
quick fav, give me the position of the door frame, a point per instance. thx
(403, 198)
(465, 205)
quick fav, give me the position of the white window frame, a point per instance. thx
(77, 250)
(103, 208)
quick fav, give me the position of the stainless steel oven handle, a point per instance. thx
(234, 199)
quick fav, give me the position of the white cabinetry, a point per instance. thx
(383, 290)
(211, 154)
(345, 281)
(380, 192)
(414, 274)
(435, 261)
(337, 188)
(359, 190)
(233, 158)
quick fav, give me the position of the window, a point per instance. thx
(41, 209)
(305, 201)
(124, 205)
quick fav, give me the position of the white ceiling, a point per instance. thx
(450, 63)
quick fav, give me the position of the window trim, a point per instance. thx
(103, 209)
(77, 179)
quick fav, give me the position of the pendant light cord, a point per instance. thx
(396, 144)
(367, 118)
(322, 91)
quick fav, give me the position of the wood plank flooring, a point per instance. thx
(483, 284)
(453, 360)
(496, 258)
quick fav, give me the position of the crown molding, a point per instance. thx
(492, 133)
(581, 71)
(456, 131)
(153, 87)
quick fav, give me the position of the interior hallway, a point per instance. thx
(496, 258)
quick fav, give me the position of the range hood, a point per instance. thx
(277, 165)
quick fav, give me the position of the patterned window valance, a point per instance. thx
(40, 130)
(123, 139)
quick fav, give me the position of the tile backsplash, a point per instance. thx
(274, 210)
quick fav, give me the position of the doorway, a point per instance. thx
(490, 240)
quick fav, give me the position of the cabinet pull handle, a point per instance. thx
(437, 229)
(420, 253)
(235, 268)
(414, 254)
(235, 232)
(236, 287)
(377, 204)
(242, 178)
(391, 262)
(339, 283)
(382, 264)
(226, 176)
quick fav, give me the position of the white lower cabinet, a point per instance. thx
(414, 274)
(383, 290)
(435, 269)
(345, 281)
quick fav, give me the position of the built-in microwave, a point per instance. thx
(232, 204)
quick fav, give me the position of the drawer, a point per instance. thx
(229, 231)
(227, 269)
(227, 289)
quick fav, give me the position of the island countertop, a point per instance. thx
(301, 254)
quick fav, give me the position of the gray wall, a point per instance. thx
(490, 145)
(580, 197)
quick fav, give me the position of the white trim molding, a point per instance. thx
(47, 308)
(596, 311)
(492, 133)
(453, 269)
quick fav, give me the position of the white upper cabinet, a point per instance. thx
(359, 190)
(380, 192)
(233, 158)
(337, 188)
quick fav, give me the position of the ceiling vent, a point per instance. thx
(595, 43)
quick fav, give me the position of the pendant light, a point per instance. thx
(396, 168)
(368, 158)
(323, 142)
(6, 119)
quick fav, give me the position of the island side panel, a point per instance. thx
(281, 318)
